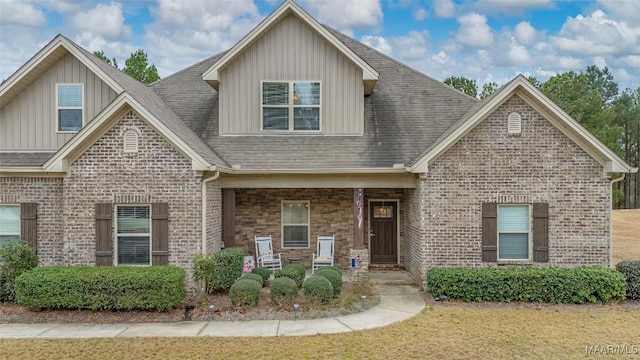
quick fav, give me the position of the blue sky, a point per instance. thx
(487, 40)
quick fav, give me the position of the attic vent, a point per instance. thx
(130, 141)
(514, 124)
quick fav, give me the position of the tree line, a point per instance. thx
(593, 98)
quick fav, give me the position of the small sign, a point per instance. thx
(249, 264)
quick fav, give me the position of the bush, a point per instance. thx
(554, 284)
(255, 277)
(245, 292)
(263, 272)
(631, 271)
(282, 289)
(102, 288)
(16, 257)
(220, 270)
(299, 268)
(291, 273)
(334, 268)
(319, 288)
(334, 278)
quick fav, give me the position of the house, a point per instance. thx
(296, 131)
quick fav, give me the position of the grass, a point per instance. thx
(626, 235)
(438, 332)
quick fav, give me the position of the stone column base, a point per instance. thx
(361, 269)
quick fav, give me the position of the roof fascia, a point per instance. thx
(211, 75)
(58, 41)
(70, 151)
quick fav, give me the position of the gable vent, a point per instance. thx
(514, 124)
(130, 141)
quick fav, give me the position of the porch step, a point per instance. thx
(390, 277)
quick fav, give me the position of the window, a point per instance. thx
(9, 223)
(291, 106)
(133, 229)
(70, 104)
(295, 224)
(513, 232)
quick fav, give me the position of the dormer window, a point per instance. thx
(69, 107)
(290, 106)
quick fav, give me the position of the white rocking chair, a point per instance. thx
(324, 255)
(264, 254)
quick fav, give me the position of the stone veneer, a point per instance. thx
(47, 193)
(258, 213)
(487, 165)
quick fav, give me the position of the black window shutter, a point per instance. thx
(29, 224)
(489, 232)
(541, 232)
(160, 233)
(104, 234)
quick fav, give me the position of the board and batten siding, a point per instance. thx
(29, 121)
(290, 51)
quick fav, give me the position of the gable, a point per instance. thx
(291, 51)
(28, 121)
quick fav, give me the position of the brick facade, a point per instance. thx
(488, 165)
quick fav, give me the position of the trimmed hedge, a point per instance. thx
(245, 292)
(299, 268)
(331, 267)
(263, 272)
(334, 278)
(158, 288)
(631, 271)
(553, 284)
(282, 289)
(319, 288)
(220, 270)
(255, 277)
(291, 272)
(16, 258)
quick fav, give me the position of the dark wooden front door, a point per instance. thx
(383, 233)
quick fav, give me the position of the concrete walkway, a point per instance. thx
(397, 303)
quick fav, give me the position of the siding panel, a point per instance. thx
(28, 122)
(291, 51)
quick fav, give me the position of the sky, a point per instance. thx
(486, 40)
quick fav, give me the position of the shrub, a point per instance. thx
(257, 278)
(291, 273)
(554, 284)
(334, 278)
(16, 257)
(319, 288)
(282, 289)
(631, 271)
(102, 288)
(263, 272)
(245, 292)
(220, 270)
(331, 267)
(299, 268)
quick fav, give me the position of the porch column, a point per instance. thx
(228, 217)
(358, 223)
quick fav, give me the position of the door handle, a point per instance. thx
(371, 233)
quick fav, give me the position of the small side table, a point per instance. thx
(295, 260)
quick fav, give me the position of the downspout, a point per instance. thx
(204, 210)
(613, 181)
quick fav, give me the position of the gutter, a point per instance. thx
(237, 170)
(613, 181)
(204, 208)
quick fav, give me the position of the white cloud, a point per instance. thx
(519, 55)
(377, 42)
(410, 47)
(346, 15)
(420, 14)
(474, 31)
(21, 13)
(105, 20)
(510, 7)
(118, 49)
(444, 8)
(626, 10)
(525, 33)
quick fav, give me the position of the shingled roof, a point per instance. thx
(406, 113)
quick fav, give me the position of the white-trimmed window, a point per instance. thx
(9, 223)
(295, 224)
(291, 106)
(133, 234)
(514, 229)
(70, 105)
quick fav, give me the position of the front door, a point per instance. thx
(383, 232)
